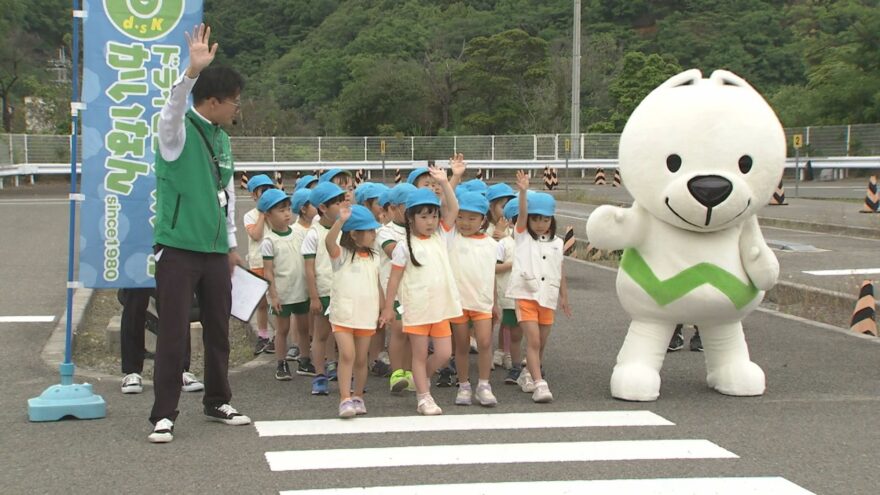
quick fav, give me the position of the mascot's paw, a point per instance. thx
(741, 379)
(635, 382)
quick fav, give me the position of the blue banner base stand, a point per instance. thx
(67, 400)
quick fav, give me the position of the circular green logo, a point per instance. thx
(144, 20)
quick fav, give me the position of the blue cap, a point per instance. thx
(542, 204)
(399, 193)
(498, 191)
(415, 174)
(461, 189)
(333, 172)
(305, 181)
(368, 191)
(511, 209)
(270, 198)
(361, 219)
(474, 202)
(422, 197)
(476, 185)
(323, 192)
(259, 180)
(299, 199)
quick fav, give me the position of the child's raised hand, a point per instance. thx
(500, 229)
(522, 180)
(457, 164)
(438, 174)
(344, 213)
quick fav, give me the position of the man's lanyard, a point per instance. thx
(222, 195)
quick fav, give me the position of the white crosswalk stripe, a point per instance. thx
(511, 454)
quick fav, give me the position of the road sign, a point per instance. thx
(382, 146)
(797, 141)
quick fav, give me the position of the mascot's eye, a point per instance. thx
(745, 164)
(673, 162)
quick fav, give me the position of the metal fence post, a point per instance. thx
(493, 147)
(582, 147)
(848, 132)
(454, 145)
(535, 147)
(319, 149)
(556, 150)
(365, 149)
(26, 159)
(273, 150)
(412, 148)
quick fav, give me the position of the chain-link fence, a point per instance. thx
(821, 141)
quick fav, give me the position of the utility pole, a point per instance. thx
(576, 78)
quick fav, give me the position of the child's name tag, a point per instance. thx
(221, 198)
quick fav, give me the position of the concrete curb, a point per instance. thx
(53, 351)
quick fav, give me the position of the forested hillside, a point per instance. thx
(367, 67)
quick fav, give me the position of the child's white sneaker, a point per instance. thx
(463, 397)
(427, 407)
(525, 381)
(485, 396)
(498, 357)
(542, 392)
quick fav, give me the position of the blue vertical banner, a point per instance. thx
(134, 52)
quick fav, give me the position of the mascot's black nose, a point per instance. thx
(710, 190)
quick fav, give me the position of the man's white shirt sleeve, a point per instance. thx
(172, 132)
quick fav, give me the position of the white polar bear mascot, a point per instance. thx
(700, 158)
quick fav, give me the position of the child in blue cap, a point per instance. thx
(422, 177)
(279, 267)
(356, 300)
(473, 256)
(392, 233)
(341, 178)
(422, 276)
(306, 182)
(509, 323)
(329, 198)
(299, 308)
(498, 228)
(256, 227)
(537, 282)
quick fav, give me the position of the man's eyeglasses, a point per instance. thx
(235, 103)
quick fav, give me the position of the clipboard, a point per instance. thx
(248, 289)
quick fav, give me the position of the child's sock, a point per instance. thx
(423, 396)
(480, 383)
(464, 385)
(263, 333)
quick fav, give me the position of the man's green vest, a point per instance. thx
(188, 212)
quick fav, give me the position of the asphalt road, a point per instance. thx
(815, 427)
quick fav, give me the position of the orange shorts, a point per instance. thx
(529, 310)
(439, 329)
(259, 271)
(357, 332)
(471, 316)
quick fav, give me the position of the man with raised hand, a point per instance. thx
(195, 232)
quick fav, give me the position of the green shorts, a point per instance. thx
(508, 318)
(300, 308)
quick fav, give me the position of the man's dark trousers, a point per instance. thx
(179, 274)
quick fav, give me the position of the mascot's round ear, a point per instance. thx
(727, 78)
(686, 78)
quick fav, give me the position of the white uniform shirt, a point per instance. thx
(388, 233)
(287, 267)
(254, 257)
(473, 260)
(502, 280)
(537, 269)
(313, 246)
(354, 300)
(428, 293)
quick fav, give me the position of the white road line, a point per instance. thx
(579, 419)
(501, 453)
(664, 486)
(855, 271)
(27, 319)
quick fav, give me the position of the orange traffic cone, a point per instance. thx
(863, 318)
(600, 177)
(778, 198)
(872, 202)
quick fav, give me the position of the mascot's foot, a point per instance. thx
(635, 382)
(741, 379)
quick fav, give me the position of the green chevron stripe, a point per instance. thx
(665, 291)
